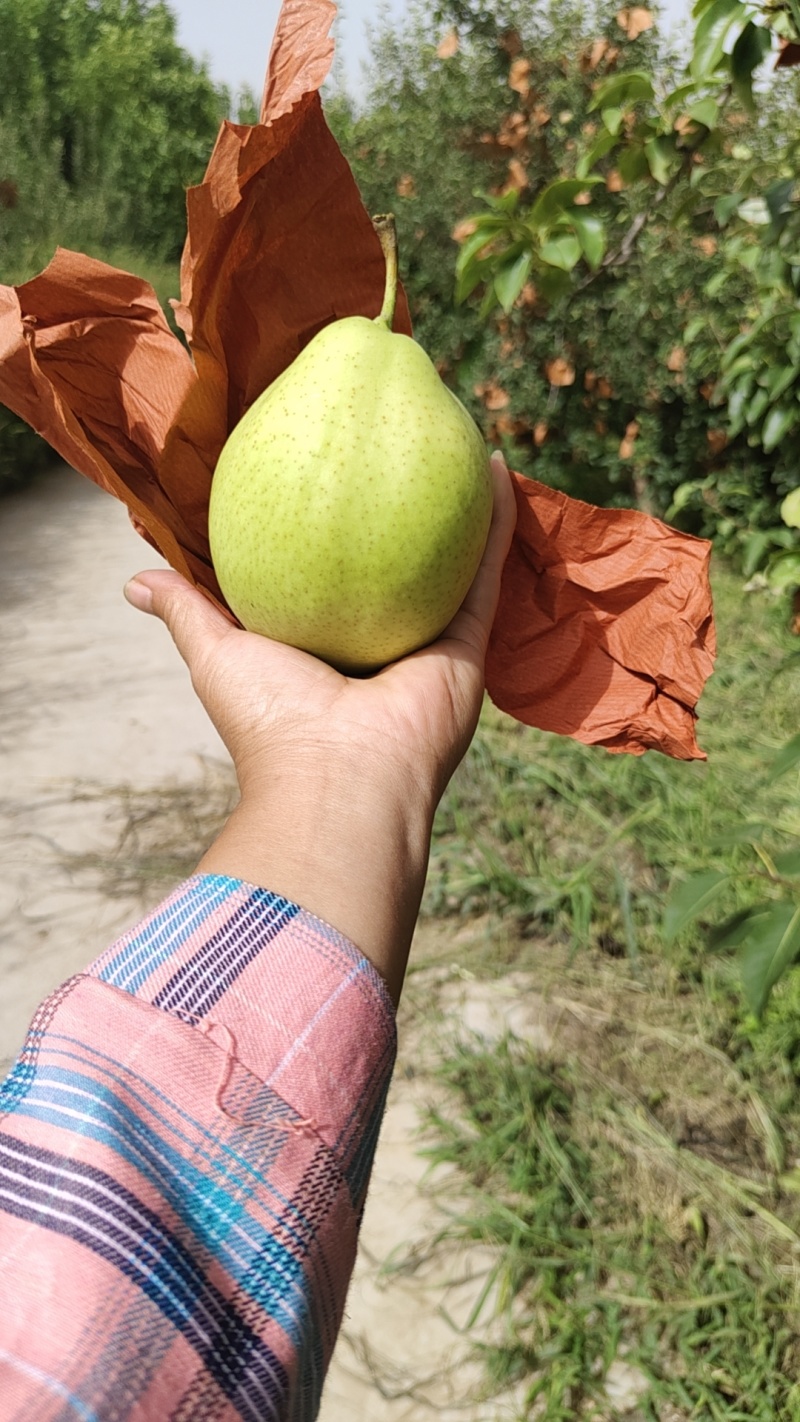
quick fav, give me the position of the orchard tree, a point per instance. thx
(103, 91)
(104, 122)
(709, 160)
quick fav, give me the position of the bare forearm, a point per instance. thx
(349, 846)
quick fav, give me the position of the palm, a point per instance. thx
(425, 705)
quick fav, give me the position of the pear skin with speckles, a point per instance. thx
(351, 505)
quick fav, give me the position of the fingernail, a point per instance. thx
(498, 456)
(138, 595)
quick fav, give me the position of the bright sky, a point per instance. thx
(235, 35)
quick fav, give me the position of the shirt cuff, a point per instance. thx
(279, 992)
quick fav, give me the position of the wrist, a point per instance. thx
(346, 840)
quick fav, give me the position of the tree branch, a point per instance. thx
(627, 246)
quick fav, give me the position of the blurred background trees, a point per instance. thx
(104, 122)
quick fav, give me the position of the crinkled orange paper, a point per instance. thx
(604, 630)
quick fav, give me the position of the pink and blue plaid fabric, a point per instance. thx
(185, 1145)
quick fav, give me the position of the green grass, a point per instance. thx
(613, 1242)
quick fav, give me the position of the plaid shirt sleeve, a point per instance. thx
(185, 1145)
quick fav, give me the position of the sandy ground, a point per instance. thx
(84, 682)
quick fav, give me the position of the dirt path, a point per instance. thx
(85, 683)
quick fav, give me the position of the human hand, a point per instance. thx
(340, 776)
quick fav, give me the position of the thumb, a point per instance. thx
(196, 626)
(473, 622)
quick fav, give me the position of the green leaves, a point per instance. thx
(557, 199)
(632, 209)
(787, 758)
(689, 899)
(662, 158)
(591, 234)
(470, 272)
(602, 146)
(633, 164)
(790, 509)
(783, 572)
(623, 90)
(770, 946)
(761, 367)
(713, 28)
(705, 112)
(778, 197)
(507, 246)
(128, 114)
(750, 49)
(766, 931)
(725, 207)
(509, 281)
(780, 420)
(755, 547)
(496, 252)
(612, 118)
(562, 251)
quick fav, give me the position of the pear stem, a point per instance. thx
(384, 225)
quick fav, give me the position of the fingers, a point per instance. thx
(194, 623)
(504, 521)
(480, 604)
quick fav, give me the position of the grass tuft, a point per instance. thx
(614, 1243)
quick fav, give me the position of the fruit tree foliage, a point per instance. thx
(579, 245)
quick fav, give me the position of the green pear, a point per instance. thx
(351, 504)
